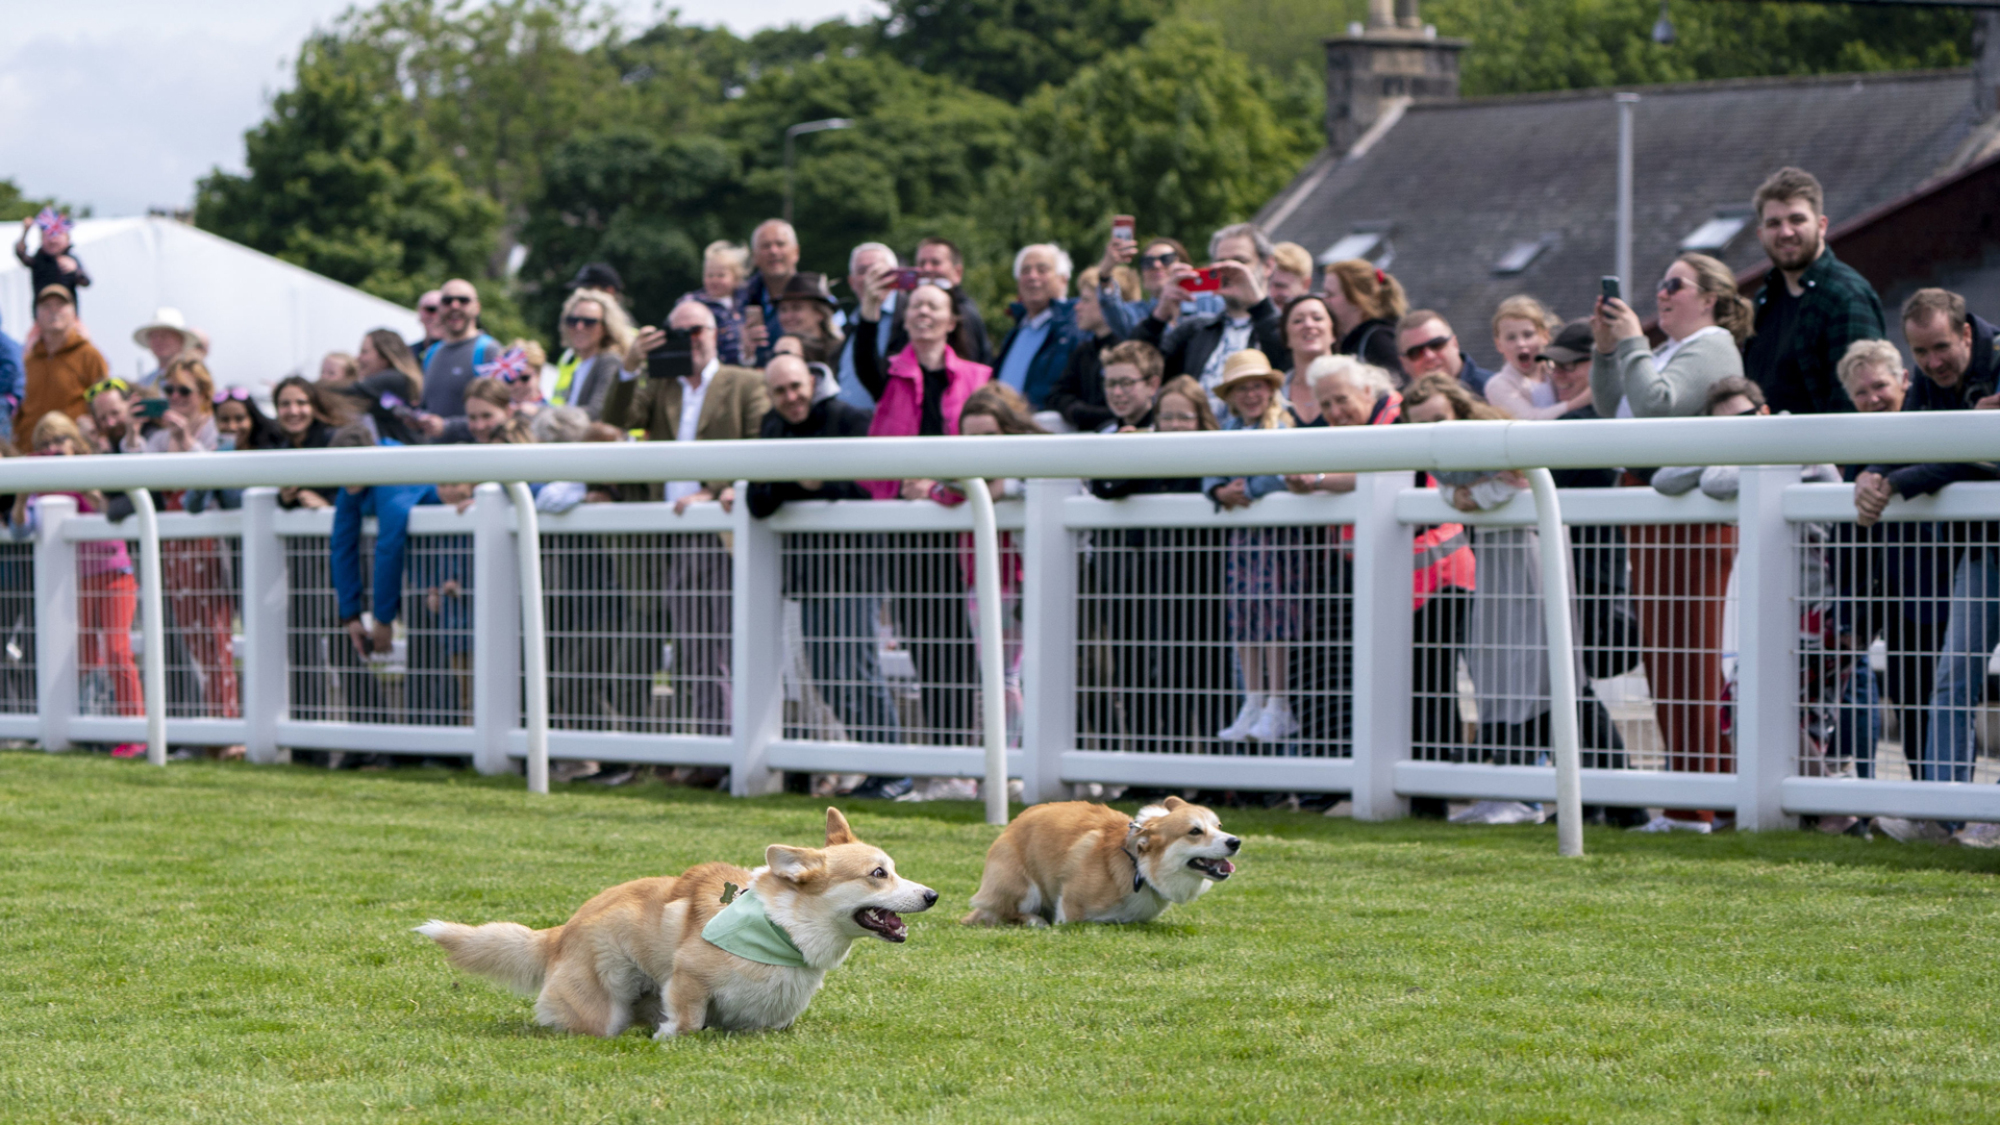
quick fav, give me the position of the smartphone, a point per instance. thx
(753, 315)
(1204, 281)
(152, 408)
(1611, 288)
(673, 359)
(1124, 227)
(905, 279)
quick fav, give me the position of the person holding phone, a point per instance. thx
(1241, 260)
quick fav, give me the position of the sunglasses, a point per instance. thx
(1434, 344)
(427, 308)
(452, 299)
(1158, 261)
(582, 321)
(103, 385)
(176, 390)
(237, 394)
(1672, 285)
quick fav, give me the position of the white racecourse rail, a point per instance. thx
(1766, 788)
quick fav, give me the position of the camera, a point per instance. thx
(673, 359)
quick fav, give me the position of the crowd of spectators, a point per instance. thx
(1250, 336)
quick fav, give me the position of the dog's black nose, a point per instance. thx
(1234, 843)
(930, 898)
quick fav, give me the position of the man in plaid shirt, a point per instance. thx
(1812, 306)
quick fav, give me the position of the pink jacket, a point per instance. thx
(901, 407)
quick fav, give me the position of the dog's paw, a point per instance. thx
(1034, 921)
(666, 1032)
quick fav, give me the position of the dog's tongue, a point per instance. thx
(1224, 867)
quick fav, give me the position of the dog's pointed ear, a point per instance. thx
(791, 863)
(837, 831)
(1172, 803)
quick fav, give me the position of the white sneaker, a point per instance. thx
(1979, 835)
(1253, 709)
(1912, 831)
(1669, 824)
(1497, 812)
(1275, 723)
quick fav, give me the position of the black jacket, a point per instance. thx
(1374, 341)
(1079, 395)
(1980, 379)
(1189, 341)
(829, 418)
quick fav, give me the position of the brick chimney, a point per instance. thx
(1394, 56)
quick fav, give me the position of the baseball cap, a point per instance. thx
(1572, 344)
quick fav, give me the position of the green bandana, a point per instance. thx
(744, 929)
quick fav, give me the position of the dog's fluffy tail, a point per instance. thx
(507, 952)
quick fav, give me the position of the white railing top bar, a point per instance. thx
(1968, 436)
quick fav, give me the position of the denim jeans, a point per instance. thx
(841, 645)
(1969, 638)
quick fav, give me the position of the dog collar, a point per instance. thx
(743, 928)
(1138, 872)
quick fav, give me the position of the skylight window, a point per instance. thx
(1521, 255)
(1717, 233)
(1363, 244)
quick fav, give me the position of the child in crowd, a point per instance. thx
(724, 265)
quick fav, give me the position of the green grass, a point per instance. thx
(231, 943)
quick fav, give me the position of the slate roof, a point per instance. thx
(1461, 182)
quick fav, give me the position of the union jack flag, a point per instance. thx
(511, 367)
(52, 221)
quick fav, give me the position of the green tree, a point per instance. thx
(1011, 48)
(1519, 46)
(338, 184)
(16, 205)
(1180, 132)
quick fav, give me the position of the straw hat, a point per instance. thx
(1247, 364)
(170, 320)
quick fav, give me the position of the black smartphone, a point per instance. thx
(673, 359)
(1611, 288)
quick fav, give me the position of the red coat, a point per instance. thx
(900, 410)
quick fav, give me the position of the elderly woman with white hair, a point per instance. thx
(1032, 357)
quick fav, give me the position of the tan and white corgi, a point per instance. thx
(647, 951)
(1079, 862)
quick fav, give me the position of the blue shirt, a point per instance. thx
(1027, 342)
(390, 504)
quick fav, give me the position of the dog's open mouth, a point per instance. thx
(885, 923)
(1213, 868)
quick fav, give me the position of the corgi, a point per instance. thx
(1079, 862)
(692, 952)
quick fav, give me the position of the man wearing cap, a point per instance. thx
(61, 366)
(427, 315)
(167, 336)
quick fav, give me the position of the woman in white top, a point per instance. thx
(1522, 327)
(1705, 321)
(1311, 334)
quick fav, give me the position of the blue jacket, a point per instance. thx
(390, 504)
(1123, 317)
(1257, 487)
(13, 378)
(1045, 370)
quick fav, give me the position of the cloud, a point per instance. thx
(123, 104)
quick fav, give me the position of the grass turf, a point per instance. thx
(231, 943)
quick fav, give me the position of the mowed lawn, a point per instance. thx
(222, 942)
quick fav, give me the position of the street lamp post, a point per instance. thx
(799, 130)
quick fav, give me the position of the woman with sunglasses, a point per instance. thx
(1680, 572)
(188, 426)
(1156, 264)
(597, 332)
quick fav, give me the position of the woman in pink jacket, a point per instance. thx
(921, 393)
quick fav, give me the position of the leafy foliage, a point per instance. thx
(16, 205)
(1011, 48)
(339, 185)
(1178, 131)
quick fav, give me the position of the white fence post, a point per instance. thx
(56, 621)
(1383, 571)
(266, 679)
(496, 620)
(756, 650)
(152, 627)
(1048, 639)
(1767, 629)
(534, 632)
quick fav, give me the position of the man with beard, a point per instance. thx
(1813, 305)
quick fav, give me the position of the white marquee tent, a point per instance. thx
(266, 319)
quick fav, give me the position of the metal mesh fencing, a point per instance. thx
(1895, 649)
(1650, 612)
(17, 629)
(639, 632)
(426, 677)
(881, 637)
(201, 598)
(1215, 641)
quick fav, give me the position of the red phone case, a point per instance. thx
(1205, 281)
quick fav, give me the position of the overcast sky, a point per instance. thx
(124, 104)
